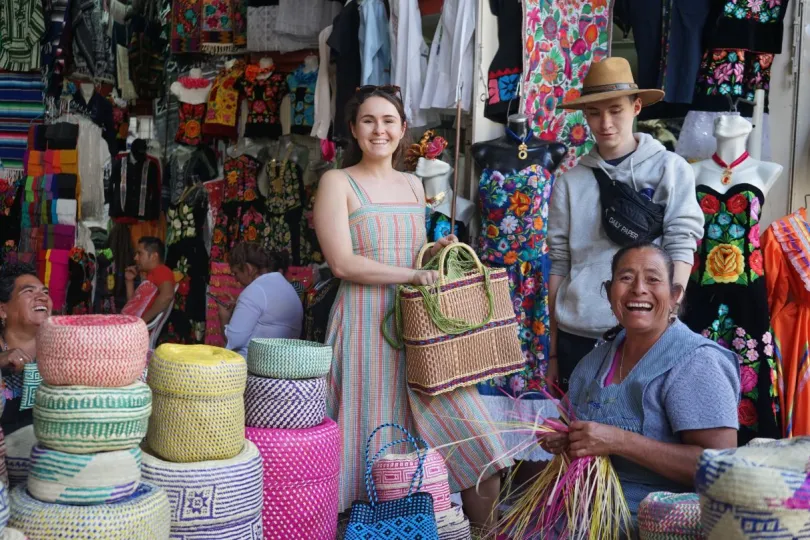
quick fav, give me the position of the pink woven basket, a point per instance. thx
(392, 475)
(301, 481)
(92, 350)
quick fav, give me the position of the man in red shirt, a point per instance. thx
(149, 261)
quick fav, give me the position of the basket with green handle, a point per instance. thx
(461, 330)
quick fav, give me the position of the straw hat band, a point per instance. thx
(588, 90)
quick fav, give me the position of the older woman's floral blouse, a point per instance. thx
(726, 300)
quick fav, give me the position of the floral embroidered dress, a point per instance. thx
(514, 210)
(241, 217)
(187, 256)
(302, 103)
(264, 89)
(726, 300)
(190, 129)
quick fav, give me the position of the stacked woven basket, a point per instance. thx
(393, 474)
(90, 415)
(195, 447)
(285, 415)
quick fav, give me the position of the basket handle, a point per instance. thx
(453, 247)
(421, 453)
(421, 255)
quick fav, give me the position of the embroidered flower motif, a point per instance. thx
(519, 203)
(767, 338)
(724, 219)
(709, 204)
(748, 379)
(714, 232)
(725, 263)
(738, 343)
(753, 235)
(737, 204)
(736, 231)
(756, 262)
(747, 413)
(509, 224)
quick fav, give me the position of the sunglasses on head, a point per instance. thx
(390, 89)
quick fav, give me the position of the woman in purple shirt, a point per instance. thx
(269, 307)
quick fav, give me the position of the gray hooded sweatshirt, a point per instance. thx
(581, 251)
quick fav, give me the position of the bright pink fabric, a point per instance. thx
(392, 478)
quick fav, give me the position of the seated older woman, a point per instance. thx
(655, 395)
(24, 306)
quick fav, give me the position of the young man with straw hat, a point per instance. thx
(583, 232)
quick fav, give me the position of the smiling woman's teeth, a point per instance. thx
(636, 306)
(41, 308)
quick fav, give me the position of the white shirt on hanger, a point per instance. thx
(451, 57)
(409, 60)
(324, 102)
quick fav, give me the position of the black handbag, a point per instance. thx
(628, 216)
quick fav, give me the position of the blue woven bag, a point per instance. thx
(409, 518)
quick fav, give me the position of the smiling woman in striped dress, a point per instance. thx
(370, 221)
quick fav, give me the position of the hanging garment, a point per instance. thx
(506, 68)
(730, 74)
(301, 85)
(217, 26)
(190, 129)
(285, 202)
(726, 300)
(409, 55)
(222, 282)
(264, 89)
(558, 67)
(514, 210)
(82, 275)
(146, 47)
(222, 110)
(22, 24)
(262, 18)
(375, 45)
(786, 246)
(186, 26)
(100, 111)
(451, 57)
(134, 188)
(393, 234)
(188, 258)
(324, 105)
(241, 217)
(752, 25)
(92, 44)
(345, 44)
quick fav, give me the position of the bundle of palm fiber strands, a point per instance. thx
(574, 499)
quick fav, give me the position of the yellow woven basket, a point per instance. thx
(198, 410)
(440, 360)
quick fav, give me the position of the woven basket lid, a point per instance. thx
(767, 475)
(201, 371)
(671, 514)
(289, 358)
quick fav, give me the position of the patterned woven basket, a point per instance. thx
(669, 516)
(5, 508)
(755, 492)
(144, 515)
(82, 420)
(453, 524)
(472, 338)
(18, 454)
(212, 500)
(63, 478)
(92, 350)
(284, 404)
(3, 466)
(301, 475)
(198, 410)
(289, 358)
(393, 473)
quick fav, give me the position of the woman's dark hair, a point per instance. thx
(255, 254)
(392, 95)
(8, 276)
(611, 334)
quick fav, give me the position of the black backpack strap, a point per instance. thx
(605, 186)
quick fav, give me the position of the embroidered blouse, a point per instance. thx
(264, 95)
(222, 113)
(302, 100)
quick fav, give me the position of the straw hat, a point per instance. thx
(608, 79)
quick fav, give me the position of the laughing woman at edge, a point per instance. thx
(370, 221)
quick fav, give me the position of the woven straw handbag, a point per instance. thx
(409, 518)
(670, 516)
(460, 331)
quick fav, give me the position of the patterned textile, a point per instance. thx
(774, 503)
(241, 216)
(302, 103)
(392, 475)
(22, 24)
(301, 474)
(144, 515)
(196, 385)
(393, 234)
(727, 300)
(92, 44)
(284, 404)
(217, 26)
(212, 500)
(31, 383)
(18, 454)
(52, 270)
(83, 420)
(190, 129)
(665, 516)
(101, 478)
(186, 26)
(453, 524)
(736, 73)
(264, 90)
(222, 281)
(562, 38)
(222, 110)
(786, 247)
(21, 104)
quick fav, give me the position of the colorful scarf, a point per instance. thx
(222, 113)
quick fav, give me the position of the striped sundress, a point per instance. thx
(367, 383)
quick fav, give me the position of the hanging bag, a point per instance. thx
(409, 518)
(460, 331)
(628, 216)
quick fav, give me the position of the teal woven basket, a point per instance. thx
(288, 358)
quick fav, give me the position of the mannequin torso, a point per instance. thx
(192, 89)
(502, 154)
(437, 176)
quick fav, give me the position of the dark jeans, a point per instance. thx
(570, 350)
